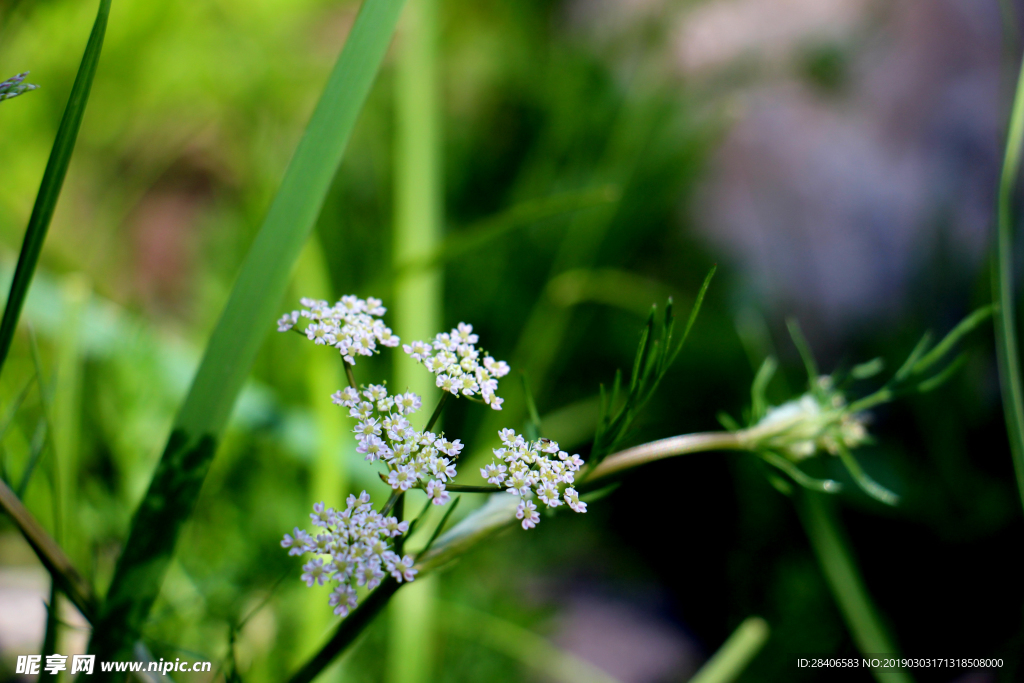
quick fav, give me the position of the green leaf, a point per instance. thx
(866, 483)
(867, 370)
(53, 181)
(533, 424)
(727, 421)
(248, 316)
(759, 401)
(804, 349)
(965, 327)
(693, 317)
(942, 377)
(799, 476)
(440, 526)
(918, 351)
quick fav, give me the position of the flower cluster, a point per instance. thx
(352, 548)
(414, 459)
(818, 421)
(353, 325)
(15, 86)
(454, 358)
(534, 468)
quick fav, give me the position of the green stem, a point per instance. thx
(437, 411)
(735, 654)
(391, 502)
(665, 448)
(350, 376)
(846, 583)
(347, 632)
(1002, 285)
(460, 488)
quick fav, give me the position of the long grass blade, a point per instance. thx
(53, 181)
(239, 333)
(1002, 285)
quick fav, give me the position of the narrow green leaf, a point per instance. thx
(693, 316)
(802, 347)
(758, 389)
(799, 476)
(642, 350)
(943, 376)
(533, 423)
(867, 370)
(867, 484)
(917, 352)
(727, 421)
(440, 526)
(246, 319)
(965, 327)
(53, 181)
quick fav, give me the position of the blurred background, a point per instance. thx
(836, 158)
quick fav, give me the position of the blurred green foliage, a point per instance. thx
(195, 111)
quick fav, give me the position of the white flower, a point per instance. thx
(493, 473)
(287, 321)
(527, 512)
(572, 499)
(401, 568)
(435, 490)
(457, 366)
(354, 545)
(352, 326)
(408, 403)
(343, 599)
(538, 469)
(314, 572)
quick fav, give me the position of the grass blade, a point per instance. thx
(239, 333)
(53, 180)
(1002, 289)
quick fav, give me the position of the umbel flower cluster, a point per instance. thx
(414, 459)
(351, 548)
(353, 325)
(534, 468)
(454, 358)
